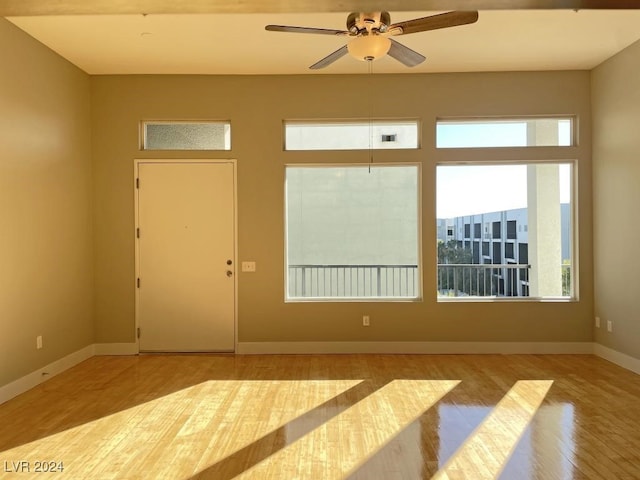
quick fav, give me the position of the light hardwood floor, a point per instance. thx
(328, 417)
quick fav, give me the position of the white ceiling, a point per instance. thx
(238, 43)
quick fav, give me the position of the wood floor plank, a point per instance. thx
(329, 417)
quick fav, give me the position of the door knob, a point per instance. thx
(229, 262)
(229, 273)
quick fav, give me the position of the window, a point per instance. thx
(467, 230)
(186, 136)
(509, 250)
(496, 229)
(497, 252)
(352, 232)
(523, 253)
(535, 261)
(505, 132)
(350, 134)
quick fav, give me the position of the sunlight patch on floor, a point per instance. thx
(486, 451)
(171, 435)
(339, 446)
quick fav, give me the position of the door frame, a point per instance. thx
(140, 161)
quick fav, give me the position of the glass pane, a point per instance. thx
(526, 238)
(187, 136)
(525, 132)
(355, 135)
(352, 232)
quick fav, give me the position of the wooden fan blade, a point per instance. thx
(434, 22)
(329, 59)
(405, 55)
(289, 29)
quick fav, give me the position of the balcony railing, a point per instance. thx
(401, 281)
(483, 280)
(355, 281)
(491, 280)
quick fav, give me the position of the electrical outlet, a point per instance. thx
(39, 342)
(597, 322)
(365, 321)
(609, 326)
(249, 266)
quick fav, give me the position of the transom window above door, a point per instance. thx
(182, 135)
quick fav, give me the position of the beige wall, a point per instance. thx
(256, 106)
(54, 119)
(616, 191)
(45, 206)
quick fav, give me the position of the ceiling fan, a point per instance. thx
(370, 35)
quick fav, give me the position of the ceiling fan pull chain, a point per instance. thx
(371, 96)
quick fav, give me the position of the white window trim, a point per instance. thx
(573, 135)
(348, 122)
(420, 273)
(481, 155)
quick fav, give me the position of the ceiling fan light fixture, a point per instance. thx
(369, 47)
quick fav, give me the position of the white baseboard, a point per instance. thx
(21, 385)
(621, 359)
(15, 388)
(33, 379)
(116, 349)
(416, 347)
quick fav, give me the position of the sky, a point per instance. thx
(473, 189)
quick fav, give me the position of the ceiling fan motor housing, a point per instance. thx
(361, 22)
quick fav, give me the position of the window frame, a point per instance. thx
(562, 155)
(364, 122)
(446, 120)
(419, 241)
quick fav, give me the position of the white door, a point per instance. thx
(185, 256)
